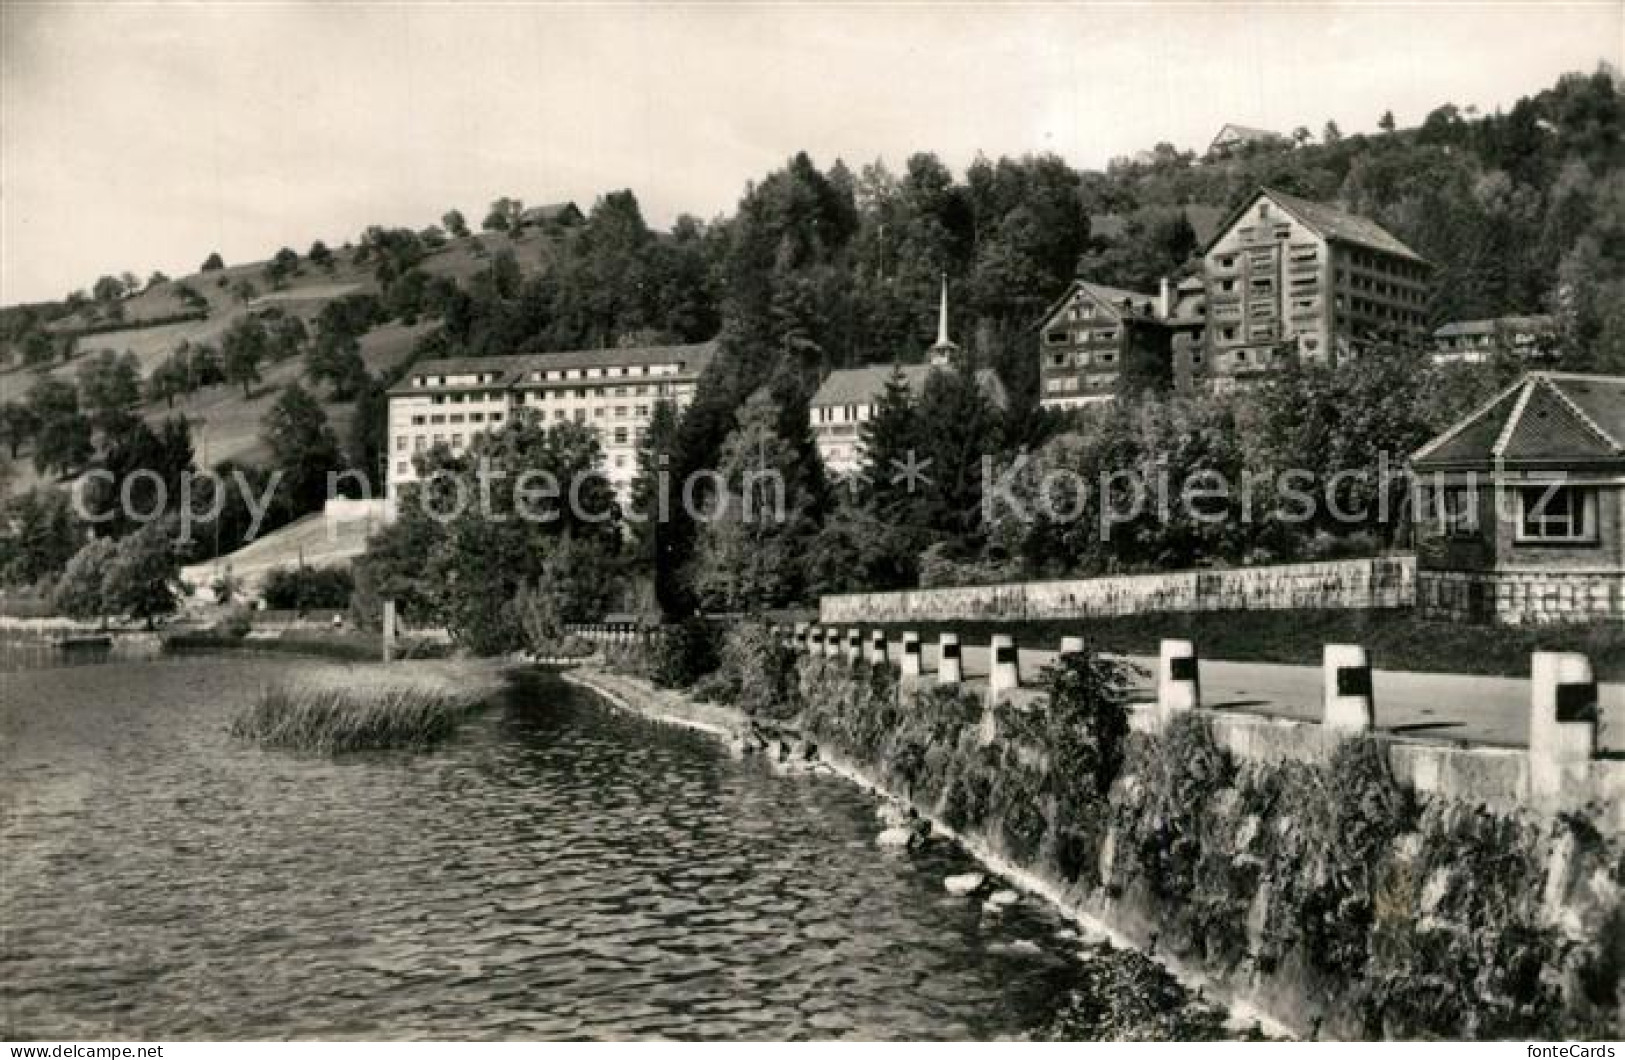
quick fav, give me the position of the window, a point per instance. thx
(400, 468)
(1557, 514)
(417, 421)
(400, 442)
(418, 443)
(620, 436)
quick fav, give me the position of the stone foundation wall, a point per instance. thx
(1521, 597)
(1385, 582)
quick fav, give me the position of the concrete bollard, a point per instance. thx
(1562, 718)
(854, 645)
(1071, 645)
(1179, 685)
(1347, 696)
(798, 639)
(911, 654)
(877, 646)
(832, 643)
(950, 668)
(1004, 669)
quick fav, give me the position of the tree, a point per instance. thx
(79, 593)
(62, 439)
(109, 382)
(320, 256)
(747, 555)
(503, 215)
(156, 279)
(1301, 135)
(303, 448)
(454, 223)
(281, 266)
(469, 570)
(39, 533)
(140, 465)
(18, 422)
(108, 289)
(213, 263)
(1331, 134)
(143, 576)
(1386, 122)
(243, 349)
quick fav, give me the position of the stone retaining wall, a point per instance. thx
(1521, 597)
(1384, 582)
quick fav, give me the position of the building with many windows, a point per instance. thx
(1093, 335)
(451, 402)
(1288, 275)
(1529, 338)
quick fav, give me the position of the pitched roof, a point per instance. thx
(1341, 225)
(1488, 327)
(864, 386)
(553, 211)
(1112, 298)
(1545, 419)
(1326, 221)
(693, 359)
(1245, 134)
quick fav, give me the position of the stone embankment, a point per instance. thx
(1302, 868)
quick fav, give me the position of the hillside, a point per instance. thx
(225, 424)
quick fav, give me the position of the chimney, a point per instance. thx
(1165, 299)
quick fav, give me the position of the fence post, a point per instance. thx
(389, 630)
(877, 646)
(1179, 684)
(911, 654)
(1347, 699)
(854, 644)
(1004, 670)
(950, 671)
(1562, 718)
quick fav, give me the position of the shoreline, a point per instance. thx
(728, 724)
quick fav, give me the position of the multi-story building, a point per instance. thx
(1285, 274)
(1529, 338)
(848, 397)
(1092, 336)
(451, 402)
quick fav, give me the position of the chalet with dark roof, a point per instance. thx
(1520, 507)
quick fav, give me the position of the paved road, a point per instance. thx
(1423, 706)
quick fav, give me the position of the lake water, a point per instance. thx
(561, 869)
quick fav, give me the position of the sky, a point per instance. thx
(142, 136)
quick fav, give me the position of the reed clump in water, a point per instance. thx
(328, 715)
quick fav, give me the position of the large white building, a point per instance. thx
(451, 402)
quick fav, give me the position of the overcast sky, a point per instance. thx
(143, 136)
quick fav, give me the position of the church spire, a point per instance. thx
(943, 352)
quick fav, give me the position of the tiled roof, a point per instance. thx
(692, 359)
(1546, 419)
(1340, 225)
(1111, 298)
(864, 386)
(1247, 133)
(1487, 327)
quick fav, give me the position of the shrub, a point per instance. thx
(756, 673)
(308, 588)
(680, 655)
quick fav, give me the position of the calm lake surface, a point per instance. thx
(561, 870)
